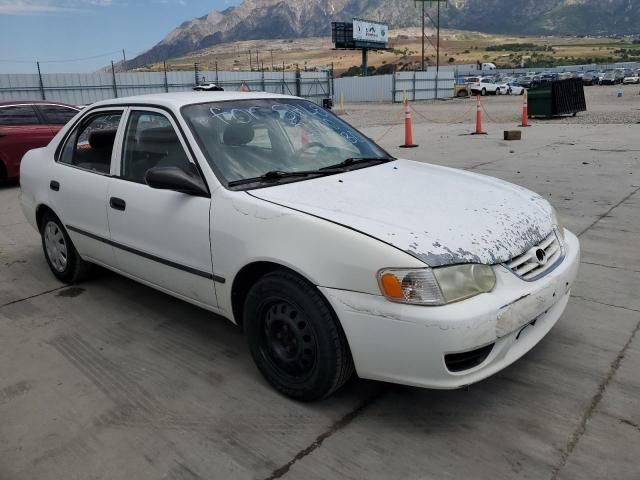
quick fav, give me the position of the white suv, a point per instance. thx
(483, 86)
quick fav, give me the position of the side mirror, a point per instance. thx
(175, 178)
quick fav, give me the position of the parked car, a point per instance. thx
(529, 81)
(549, 77)
(329, 253)
(633, 78)
(25, 125)
(589, 78)
(611, 78)
(511, 88)
(483, 86)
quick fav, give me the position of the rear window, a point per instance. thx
(57, 114)
(18, 115)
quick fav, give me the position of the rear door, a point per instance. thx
(160, 236)
(20, 131)
(80, 180)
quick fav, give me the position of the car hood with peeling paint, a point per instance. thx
(440, 215)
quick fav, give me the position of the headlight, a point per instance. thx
(436, 286)
(555, 220)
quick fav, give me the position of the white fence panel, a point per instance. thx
(423, 85)
(363, 89)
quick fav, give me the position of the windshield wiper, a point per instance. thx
(356, 160)
(274, 175)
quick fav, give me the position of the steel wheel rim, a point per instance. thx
(56, 246)
(289, 342)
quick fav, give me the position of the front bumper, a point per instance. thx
(407, 344)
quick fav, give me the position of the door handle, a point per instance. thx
(55, 186)
(117, 203)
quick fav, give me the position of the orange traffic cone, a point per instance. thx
(408, 131)
(479, 119)
(525, 110)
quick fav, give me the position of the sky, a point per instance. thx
(85, 35)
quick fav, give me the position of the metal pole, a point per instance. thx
(195, 68)
(124, 61)
(437, 48)
(423, 36)
(115, 86)
(272, 69)
(216, 71)
(250, 62)
(41, 84)
(283, 78)
(365, 68)
(414, 86)
(166, 80)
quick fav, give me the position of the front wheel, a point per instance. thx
(295, 338)
(62, 257)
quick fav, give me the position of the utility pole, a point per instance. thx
(250, 62)
(124, 61)
(423, 36)
(271, 60)
(437, 47)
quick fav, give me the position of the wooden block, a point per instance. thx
(512, 134)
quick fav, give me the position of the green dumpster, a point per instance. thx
(560, 97)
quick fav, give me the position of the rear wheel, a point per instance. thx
(483, 92)
(295, 338)
(61, 255)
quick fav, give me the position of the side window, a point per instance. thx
(57, 114)
(18, 115)
(151, 141)
(91, 143)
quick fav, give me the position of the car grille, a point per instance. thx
(528, 267)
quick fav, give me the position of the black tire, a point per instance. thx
(483, 92)
(295, 338)
(522, 92)
(74, 269)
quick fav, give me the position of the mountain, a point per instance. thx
(265, 19)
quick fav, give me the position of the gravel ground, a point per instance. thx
(603, 107)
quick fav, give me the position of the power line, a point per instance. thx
(69, 60)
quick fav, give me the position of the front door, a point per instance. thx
(159, 236)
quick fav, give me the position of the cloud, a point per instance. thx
(39, 7)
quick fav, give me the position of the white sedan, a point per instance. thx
(328, 252)
(510, 88)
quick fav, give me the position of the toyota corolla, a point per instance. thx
(332, 255)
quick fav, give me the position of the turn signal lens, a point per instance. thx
(418, 287)
(391, 286)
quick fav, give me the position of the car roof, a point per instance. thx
(35, 102)
(179, 99)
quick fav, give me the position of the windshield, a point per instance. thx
(247, 139)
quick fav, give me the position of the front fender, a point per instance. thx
(245, 229)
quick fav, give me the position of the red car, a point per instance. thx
(25, 125)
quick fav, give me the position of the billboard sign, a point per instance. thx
(367, 31)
